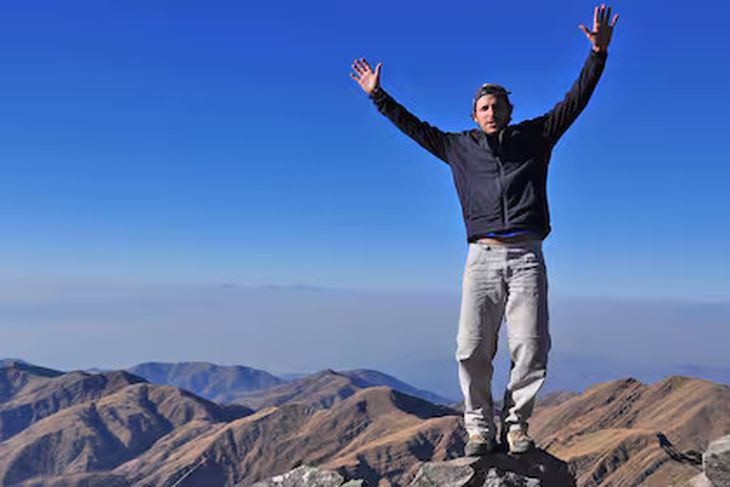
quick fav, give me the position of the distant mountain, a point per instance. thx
(7, 362)
(231, 384)
(292, 376)
(376, 378)
(322, 390)
(328, 387)
(217, 383)
(627, 433)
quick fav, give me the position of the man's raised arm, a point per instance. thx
(564, 113)
(429, 137)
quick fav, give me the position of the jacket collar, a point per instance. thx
(484, 140)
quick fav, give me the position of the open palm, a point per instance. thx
(600, 36)
(365, 76)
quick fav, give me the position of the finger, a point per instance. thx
(585, 30)
(595, 18)
(357, 79)
(358, 67)
(377, 70)
(608, 16)
(364, 67)
(364, 63)
(615, 19)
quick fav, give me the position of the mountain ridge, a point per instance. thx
(115, 427)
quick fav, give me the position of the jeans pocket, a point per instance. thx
(473, 256)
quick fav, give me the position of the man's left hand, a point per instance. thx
(600, 36)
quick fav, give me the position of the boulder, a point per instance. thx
(716, 461)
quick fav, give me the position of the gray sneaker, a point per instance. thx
(478, 446)
(519, 441)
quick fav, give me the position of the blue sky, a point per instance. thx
(221, 141)
(176, 146)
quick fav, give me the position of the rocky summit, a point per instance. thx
(533, 469)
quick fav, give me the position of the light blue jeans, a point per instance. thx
(502, 281)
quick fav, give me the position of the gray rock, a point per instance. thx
(308, 476)
(716, 462)
(452, 473)
(509, 479)
(533, 469)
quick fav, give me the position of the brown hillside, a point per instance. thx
(88, 428)
(625, 433)
(29, 394)
(375, 432)
(322, 389)
(99, 435)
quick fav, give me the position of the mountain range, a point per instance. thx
(116, 428)
(257, 388)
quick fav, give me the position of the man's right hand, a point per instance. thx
(364, 75)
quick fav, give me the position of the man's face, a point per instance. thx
(493, 113)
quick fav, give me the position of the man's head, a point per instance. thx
(491, 109)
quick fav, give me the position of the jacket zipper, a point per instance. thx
(501, 179)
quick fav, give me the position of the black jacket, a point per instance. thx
(501, 180)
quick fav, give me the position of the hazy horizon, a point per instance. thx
(304, 329)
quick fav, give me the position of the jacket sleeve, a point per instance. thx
(565, 112)
(429, 137)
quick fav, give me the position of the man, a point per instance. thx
(500, 173)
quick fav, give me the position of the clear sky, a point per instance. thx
(223, 141)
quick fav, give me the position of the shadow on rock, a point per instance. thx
(536, 468)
